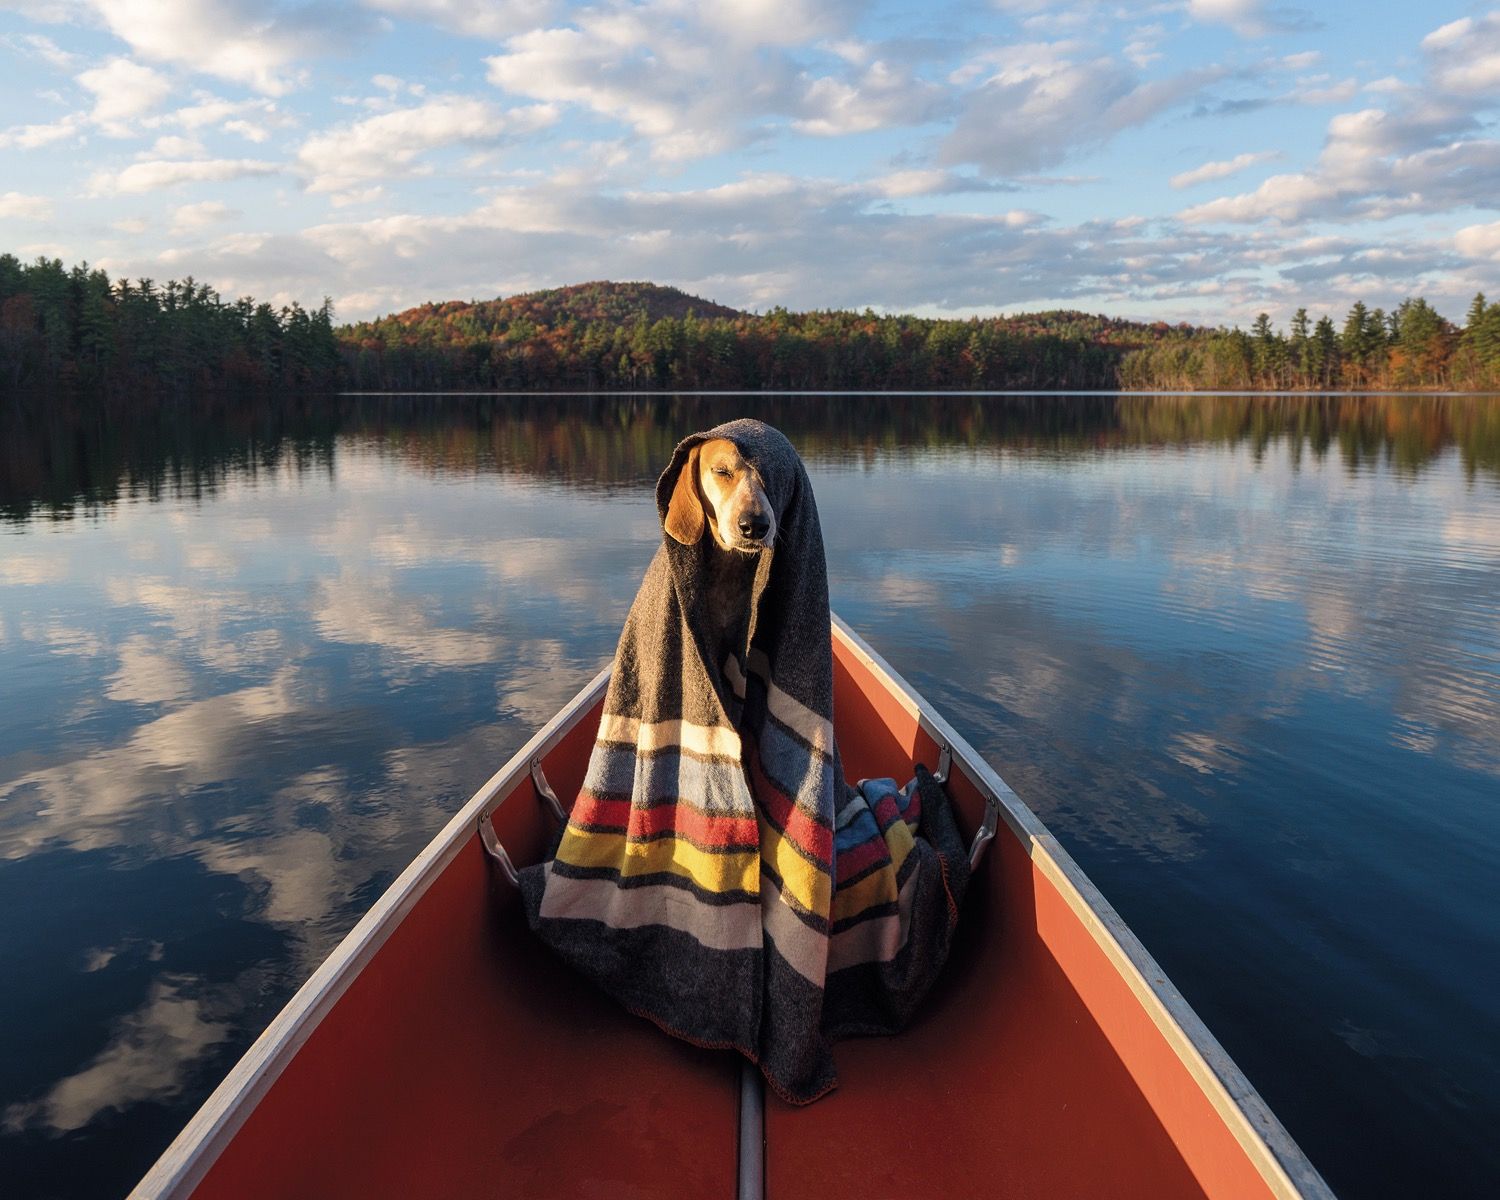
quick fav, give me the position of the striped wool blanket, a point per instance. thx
(717, 874)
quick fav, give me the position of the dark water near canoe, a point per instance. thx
(1243, 656)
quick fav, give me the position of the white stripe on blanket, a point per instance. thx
(877, 940)
(717, 926)
(816, 731)
(717, 740)
(805, 950)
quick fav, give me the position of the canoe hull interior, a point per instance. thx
(442, 1051)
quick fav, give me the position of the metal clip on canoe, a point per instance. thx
(491, 840)
(985, 834)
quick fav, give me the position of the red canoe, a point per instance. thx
(440, 1051)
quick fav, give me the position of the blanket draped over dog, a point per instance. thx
(718, 875)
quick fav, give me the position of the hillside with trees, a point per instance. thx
(628, 336)
(78, 329)
(668, 340)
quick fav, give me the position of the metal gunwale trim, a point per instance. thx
(196, 1148)
(1282, 1165)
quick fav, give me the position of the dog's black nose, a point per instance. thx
(754, 526)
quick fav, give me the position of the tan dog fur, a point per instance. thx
(719, 491)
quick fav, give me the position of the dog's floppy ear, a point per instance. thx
(684, 519)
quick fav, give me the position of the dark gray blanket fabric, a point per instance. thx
(718, 875)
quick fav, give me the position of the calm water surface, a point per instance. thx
(1242, 655)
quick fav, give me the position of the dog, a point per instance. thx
(719, 492)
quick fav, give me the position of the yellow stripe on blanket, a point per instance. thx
(738, 871)
(879, 888)
(803, 882)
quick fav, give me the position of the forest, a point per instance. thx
(78, 329)
(1411, 348)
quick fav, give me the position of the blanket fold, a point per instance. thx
(717, 874)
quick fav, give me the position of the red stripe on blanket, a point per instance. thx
(808, 835)
(887, 812)
(863, 856)
(594, 813)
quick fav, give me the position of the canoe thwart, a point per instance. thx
(496, 851)
(545, 793)
(752, 1148)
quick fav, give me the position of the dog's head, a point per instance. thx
(719, 489)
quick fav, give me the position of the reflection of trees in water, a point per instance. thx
(59, 457)
(1407, 432)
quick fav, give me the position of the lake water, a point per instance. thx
(1241, 654)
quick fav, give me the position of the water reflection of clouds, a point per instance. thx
(149, 1057)
(1256, 586)
(146, 675)
(232, 643)
(368, 611)
(31, 569)
(295, 683)
(121, 795)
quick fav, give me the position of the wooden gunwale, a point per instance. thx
(1283, 1167)
(193, 1152)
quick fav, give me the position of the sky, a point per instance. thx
(1197, 160)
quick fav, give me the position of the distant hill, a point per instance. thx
(601, 302)
(631, 335)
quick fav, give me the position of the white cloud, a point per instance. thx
(931, 182)
(697, 79)
(257, 43)
(385, 145)
(495, 19)
(29, 137)
(769, 22)
(1038, 105)
(1250, 18)
(17, 206)
(1426, 153)
(663, 91)
(751, 243)
(123, 90)
(164, 173)
(1220, 170)
(208, 110)
(1374, 165)
(173, 146)
(1464, 56)
(43, 48)
(882, 95)
(192, 217)
(1479, 241)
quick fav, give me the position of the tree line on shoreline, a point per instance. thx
(76, 328)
